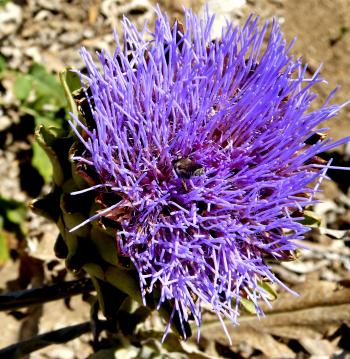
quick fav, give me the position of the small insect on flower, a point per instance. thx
(185, 168)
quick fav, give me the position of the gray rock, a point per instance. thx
(10, 19)
(70, 38)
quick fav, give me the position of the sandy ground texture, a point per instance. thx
(316, 324)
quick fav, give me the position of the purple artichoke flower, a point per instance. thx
(210, 149)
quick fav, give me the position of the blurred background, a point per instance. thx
(38, 39)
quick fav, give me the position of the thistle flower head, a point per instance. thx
(208, 148)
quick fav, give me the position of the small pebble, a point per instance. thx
(10, 19)
(61, 353)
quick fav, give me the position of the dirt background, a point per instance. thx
(51, 33)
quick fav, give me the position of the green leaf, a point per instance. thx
(41, 162)
(16, 215)
(3, 2)
(4, 251)
(13, 211)
(47, 95)
(47, 89)
(47, 121)
(22, 86)
(2, 63)
(113, 275)
(70, 82)
(248, 305)
(271, 293)
(105, 245)
(311, 219)
(13, 214)
(46, 138)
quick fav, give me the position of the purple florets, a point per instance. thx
(209, 146)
